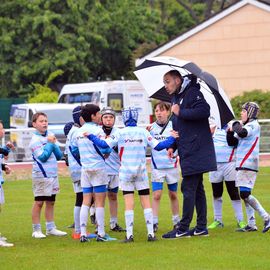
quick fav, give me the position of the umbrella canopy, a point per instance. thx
(150, 73)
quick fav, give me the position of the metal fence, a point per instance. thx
(21, 138)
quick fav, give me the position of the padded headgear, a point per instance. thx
(130, 114)
(76, 113)
(107, 110)
(68, 126)
(252, 109)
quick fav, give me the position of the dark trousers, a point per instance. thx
(193, 196)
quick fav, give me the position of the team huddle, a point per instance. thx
(103, 159)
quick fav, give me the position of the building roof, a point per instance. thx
(265, 5)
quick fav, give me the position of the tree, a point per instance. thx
(260, 97)
(86, 39)
(43, 93)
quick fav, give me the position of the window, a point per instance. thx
(115, 101)
(90, 97)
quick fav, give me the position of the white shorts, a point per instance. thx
(93, 178)
(225, 172)
(171, 176)
(133, 185)
(113, 181)
(75, 176)
(45, 186)
(77, 187)
(245, 178)
(2, 197)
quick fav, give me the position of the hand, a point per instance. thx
(148, 128)
(170, 153)
(175, 109)
(7, 169)
(10, 145)
(106, 155)
(174, 134)
(86, 134)
(51, 138)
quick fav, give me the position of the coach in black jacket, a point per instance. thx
(195, 149)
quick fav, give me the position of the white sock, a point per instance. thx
(77, 211)
(255, 204)
(50, 225)
(155, 219)
(100, 220)
(238, 211)
(217, 202)
(250, 215)
(113, 222)
(148, 216)
(175, 219)
(36, 227)
(83, 219)
(129, 218)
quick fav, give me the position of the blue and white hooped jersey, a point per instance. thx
(90, 154)
(42, 169)
(247, 154)
(160, 159)
(73, 163)
(113, 161)
(224, 152)
(132, 143)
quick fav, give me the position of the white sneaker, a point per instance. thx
(5, 244)
(55, 232)
(38, 235)
(2, 238)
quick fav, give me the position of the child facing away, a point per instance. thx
(45, 153)
(246, 135)
(164, 169)
(132, 142)
(4, 151)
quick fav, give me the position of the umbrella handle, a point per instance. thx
(169, 119)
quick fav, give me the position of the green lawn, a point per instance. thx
(224, 249)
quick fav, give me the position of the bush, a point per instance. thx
(262, 98)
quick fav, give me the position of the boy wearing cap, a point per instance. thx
(112, 162)
(246, 135)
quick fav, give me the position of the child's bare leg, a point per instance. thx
(155, 204)
(36, 211)
(49, 211)
(174, 206)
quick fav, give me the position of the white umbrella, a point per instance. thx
(150, 73)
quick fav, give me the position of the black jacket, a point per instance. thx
(195, 143)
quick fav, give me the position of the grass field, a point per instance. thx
(223, 249)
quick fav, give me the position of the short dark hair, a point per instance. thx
(163, 105)
(174, 73)
(88, 110)
(36, 116)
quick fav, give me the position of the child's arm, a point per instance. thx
(165, 144)
(99, 142)
(231, 140)
(47, 151)
(4, 150)
(57, 152)
(239, 129)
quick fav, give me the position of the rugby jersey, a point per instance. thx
(247, 154)
(160, 159)
(224, 152)
(42, 169)
(90, 155)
